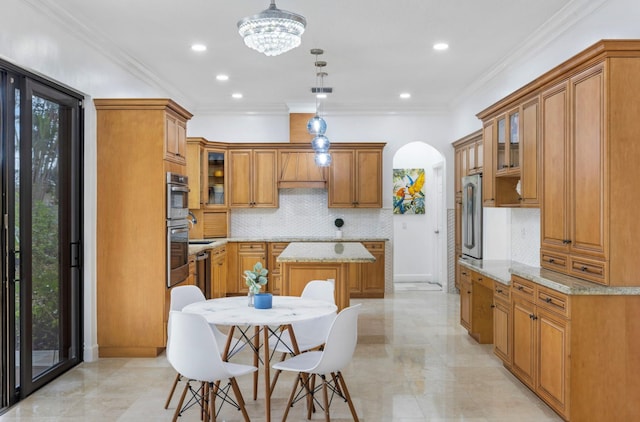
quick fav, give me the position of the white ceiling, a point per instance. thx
(374, 49)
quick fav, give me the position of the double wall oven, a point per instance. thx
(177, 229)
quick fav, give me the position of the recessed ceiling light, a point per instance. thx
(236, 95)
(222, 77)
(441, 46)
(405, 95)
(199, 47)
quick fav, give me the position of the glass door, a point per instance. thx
(42, 214)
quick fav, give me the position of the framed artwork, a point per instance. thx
(408, 191)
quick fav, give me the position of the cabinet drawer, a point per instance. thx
(523, 287)
(483, 280)
(219, 251)
(589, 270)
(465, 274)
(377, 246)
(553, 261)
(251, 246)
(553, 301)
(501, 291)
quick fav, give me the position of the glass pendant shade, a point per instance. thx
(320, 143)
(316, 125)
(272, 31)
(323, 159)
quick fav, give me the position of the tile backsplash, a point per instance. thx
(304, 212)
(525, 236)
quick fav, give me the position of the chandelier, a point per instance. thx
(272, 31)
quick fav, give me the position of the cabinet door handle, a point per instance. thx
(551, 260)
(499, 290)
(469, 292)
(520, 288)
(493, 306)
(548, 300)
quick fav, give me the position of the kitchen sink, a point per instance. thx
(200, 242)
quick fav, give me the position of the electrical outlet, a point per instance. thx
(523, 232)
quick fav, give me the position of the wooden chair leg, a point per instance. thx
(325, 396)
(311, 383)
(291, 396)
(212, 403)
(176, 414)
(348, 397)
(256, 344)
(173, 389)
(277, 374)
(239, 399)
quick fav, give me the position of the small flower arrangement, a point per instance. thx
(256, 278)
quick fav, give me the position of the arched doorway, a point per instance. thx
(419, 254)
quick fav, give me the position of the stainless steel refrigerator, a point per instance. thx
(472, 216)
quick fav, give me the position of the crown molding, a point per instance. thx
(556, 25)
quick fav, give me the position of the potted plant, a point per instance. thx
(255, 279)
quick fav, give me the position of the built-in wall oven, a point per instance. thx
(177, 229)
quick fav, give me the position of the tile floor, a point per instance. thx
(413, 362)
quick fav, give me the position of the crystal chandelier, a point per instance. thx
(272, 31)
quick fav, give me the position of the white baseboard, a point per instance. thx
(413, 278)
(90, 354)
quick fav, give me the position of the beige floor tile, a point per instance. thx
(414, 362)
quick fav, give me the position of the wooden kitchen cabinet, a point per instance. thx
(253, 178)
(541, 342)
(371, 275)
(355, 177)
(131, 270)
(219, 272)
(502, 330)
(488, 176)
(476, 305)
(275, 274)
(243, 256)
(175, 138)
(574, 229)
(466, 298)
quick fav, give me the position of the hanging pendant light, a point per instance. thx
(316, 125)
(320, 143)
(272, 31)
(322, 159)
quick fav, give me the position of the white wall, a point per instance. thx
(416, 245)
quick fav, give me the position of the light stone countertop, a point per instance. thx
(194, 249)
(501, 271)
(325, 252)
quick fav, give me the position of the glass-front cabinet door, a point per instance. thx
(508, 143)
(214, 175)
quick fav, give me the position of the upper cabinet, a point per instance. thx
(355, 176)
(583, 115)
(253, 178)
(175, 147)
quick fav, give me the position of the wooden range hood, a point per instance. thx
(297, 167)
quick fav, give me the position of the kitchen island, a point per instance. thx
(302, 262)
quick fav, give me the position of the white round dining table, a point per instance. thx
(285, 310)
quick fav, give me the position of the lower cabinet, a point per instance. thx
(502, 323)
(219, 272)
(476, 305)
(243, 256)
(275, 275)
(541, 327)
(369, 280)
(365, 280)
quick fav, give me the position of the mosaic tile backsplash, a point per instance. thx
(525, 236)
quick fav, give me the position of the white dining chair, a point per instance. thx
(194, 354)
(309, 334)
(182, 296)
(327, 364)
